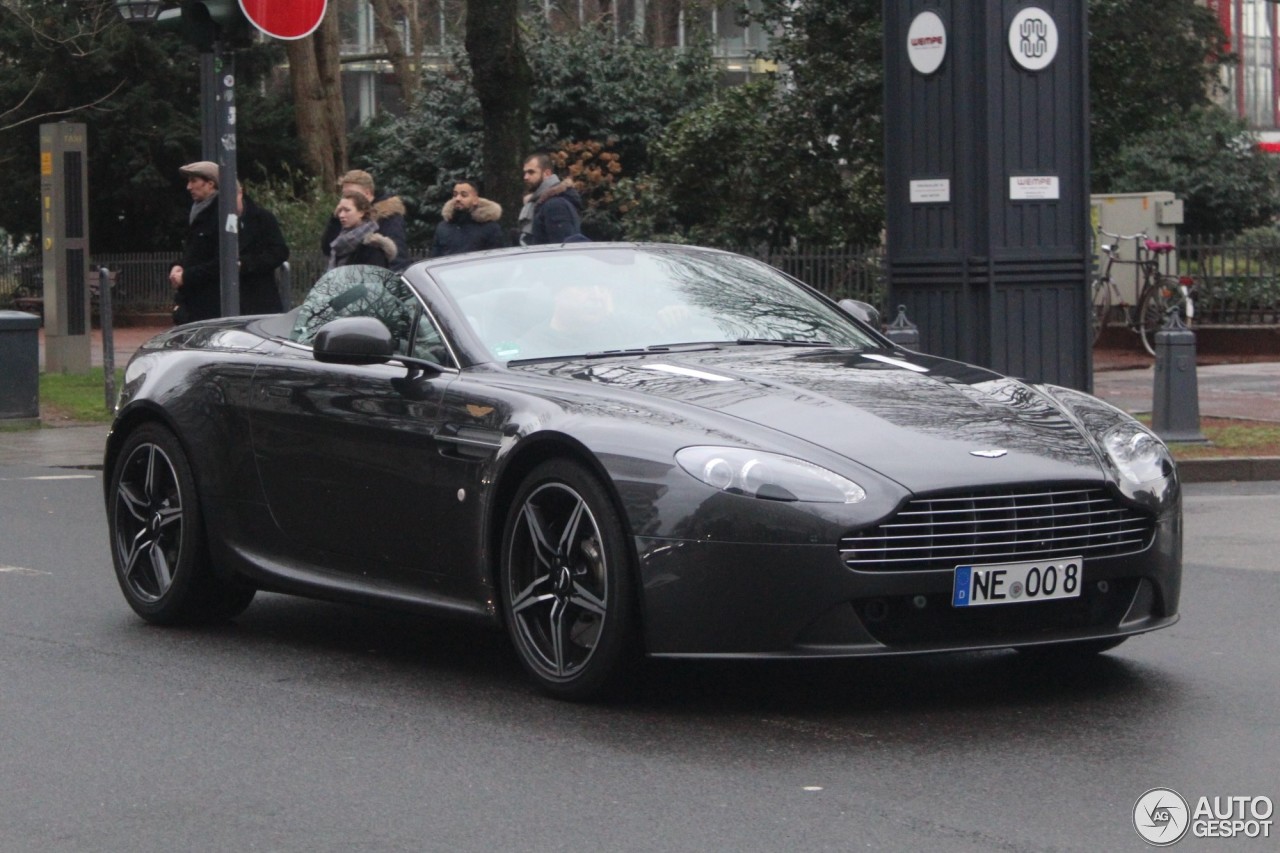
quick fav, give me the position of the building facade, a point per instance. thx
(369, 84)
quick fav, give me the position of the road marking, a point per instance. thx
(19, 570)
(51, 477)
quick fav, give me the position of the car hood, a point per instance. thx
(917, 419)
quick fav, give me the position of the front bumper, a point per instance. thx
(715, 599)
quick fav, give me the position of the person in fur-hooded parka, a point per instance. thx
(469, 223)
(359, 241)
(387, 210)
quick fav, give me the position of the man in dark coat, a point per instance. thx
(469, 223)
(552, 211)
(388, 212)
(262, 251)
(197, 287)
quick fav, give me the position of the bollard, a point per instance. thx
(108, 338)
(902, 331)
(1175, 411)
(284, 285)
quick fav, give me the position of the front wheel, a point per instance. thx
(157, 536)
(1166, 297)
(567, 586)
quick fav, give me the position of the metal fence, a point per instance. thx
(1237, 283)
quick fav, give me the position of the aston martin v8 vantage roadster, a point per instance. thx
(618, 450)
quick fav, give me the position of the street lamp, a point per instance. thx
(137, 12)
(210, 26)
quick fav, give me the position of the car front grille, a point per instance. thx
(949, 530)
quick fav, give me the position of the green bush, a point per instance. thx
(589, 88)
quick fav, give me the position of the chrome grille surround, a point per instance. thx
(1000, 526)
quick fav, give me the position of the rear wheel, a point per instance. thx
(567, 587)
(157, 536)
(1155, 306)
(1101, 306)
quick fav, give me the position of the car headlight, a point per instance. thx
(767, 475)
(1138, 455)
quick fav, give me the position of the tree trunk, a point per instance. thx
(384, 18)
(319, 112)
(503, 82)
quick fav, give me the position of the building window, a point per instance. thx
(1250, 26)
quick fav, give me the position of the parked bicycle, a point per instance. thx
(1159, 295)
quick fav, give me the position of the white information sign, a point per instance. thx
(926, 42)
(1033, 187)
(935, 190)
(1033, 38)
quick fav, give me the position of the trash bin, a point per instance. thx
(19, 365)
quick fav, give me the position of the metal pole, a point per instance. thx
(228, 218)
(208, 95)
(108, 338)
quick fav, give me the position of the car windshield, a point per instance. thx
(607, 299)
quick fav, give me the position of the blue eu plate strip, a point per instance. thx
(964, 578)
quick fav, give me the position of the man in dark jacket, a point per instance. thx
(469, 223)
(262, 251)
(552, 211)
(388, 212)
(197, 287)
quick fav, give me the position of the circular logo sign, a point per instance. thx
(1033, 38)
(926, 42)
(1161, 817)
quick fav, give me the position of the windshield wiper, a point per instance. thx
(782, 342)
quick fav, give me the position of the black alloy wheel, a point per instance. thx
(567, 583)
(157, 536)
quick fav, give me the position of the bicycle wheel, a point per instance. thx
(1155, 306)
(1101, 306)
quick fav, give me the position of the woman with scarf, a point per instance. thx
(359, 241)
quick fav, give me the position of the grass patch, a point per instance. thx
(76, 397)
(1229, 437)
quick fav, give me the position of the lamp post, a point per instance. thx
(209, 25)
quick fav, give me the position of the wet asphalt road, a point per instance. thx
(314, 727)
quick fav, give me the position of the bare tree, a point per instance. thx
(315, 75)
(503, 82)
(386, 17)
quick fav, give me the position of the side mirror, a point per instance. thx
(864, 311)
(354, 340)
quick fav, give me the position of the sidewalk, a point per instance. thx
(1249, 390)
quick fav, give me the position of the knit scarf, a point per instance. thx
(198, 207)
(348, 240)
(531, 203)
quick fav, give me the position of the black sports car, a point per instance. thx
(616, 450)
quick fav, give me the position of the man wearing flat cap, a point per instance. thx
(197, 286)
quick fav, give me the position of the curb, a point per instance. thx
(1228, 468)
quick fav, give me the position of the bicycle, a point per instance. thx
(1159, 295)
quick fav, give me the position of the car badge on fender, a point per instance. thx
(988, 454)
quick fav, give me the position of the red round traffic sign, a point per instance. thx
(284, 19)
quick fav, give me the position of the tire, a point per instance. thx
(1076, 650)
(1101, 307)
(1154, 308)
(567, 583)
(158, 538)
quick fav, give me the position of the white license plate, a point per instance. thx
(1016, 583)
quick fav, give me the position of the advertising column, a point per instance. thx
(64, 240)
